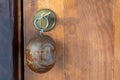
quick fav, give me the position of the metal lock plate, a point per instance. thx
(45, 19)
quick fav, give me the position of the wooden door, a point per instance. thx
(84, 34)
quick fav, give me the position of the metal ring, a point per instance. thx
(39, 18)
(41, 33)
(48, 17)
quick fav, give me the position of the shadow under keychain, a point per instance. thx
(40, 52)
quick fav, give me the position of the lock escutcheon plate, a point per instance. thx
(45, 19)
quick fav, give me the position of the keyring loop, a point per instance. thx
(41, 33)
(38, 19)
(45, 19)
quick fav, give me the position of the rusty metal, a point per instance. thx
(41, 54)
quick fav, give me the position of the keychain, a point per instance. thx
(40, 52)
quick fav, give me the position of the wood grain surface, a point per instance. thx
(30, 8)
(84, 35)
(117, 40)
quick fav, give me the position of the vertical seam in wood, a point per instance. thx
(113, 7)
(64, 41)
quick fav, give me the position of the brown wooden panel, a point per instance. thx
(117, 40)
(88, 39)
(84, 37)
(30, 8)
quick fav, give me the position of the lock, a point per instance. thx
(45, 20)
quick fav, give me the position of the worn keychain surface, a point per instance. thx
(41, 51)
